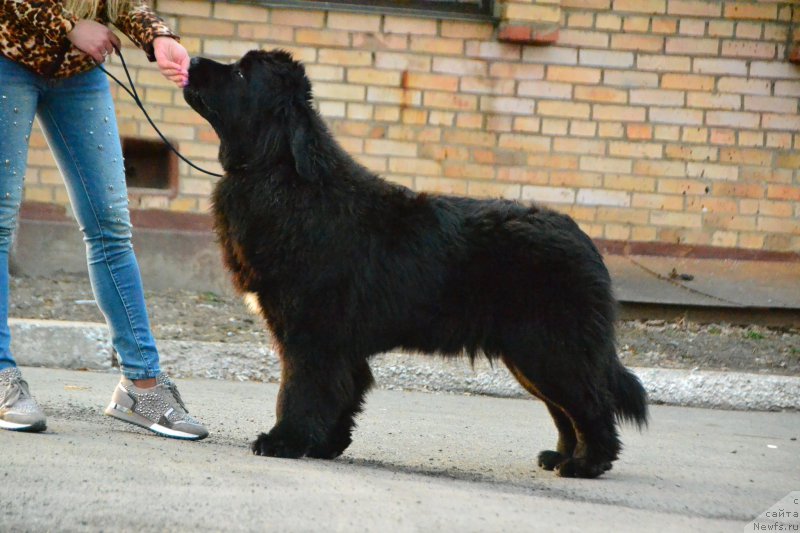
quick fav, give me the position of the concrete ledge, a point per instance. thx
(78, 345)
(56, 344)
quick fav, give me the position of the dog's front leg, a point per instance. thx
(314, 392)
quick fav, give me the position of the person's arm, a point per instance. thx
(48, 17)
(142, 26)
(158, 41)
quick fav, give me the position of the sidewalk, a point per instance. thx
(418, 462)
(81, 345)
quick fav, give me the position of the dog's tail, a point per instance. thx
(629, 396)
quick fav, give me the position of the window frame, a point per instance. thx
(483, 11)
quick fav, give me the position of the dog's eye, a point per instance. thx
(240, 74)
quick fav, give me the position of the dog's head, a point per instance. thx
(260, 106)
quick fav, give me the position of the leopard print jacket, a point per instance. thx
(33, 33)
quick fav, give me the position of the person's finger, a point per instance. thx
(97, 55)
(172, 67)
(117, 44)
(172, 74)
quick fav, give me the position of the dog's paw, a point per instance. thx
(579, 467)
(331, 449)
(270, 445)
(549, 459)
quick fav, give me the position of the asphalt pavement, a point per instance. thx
(420, 462)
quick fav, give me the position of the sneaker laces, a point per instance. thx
(173, 389)
(17, 389)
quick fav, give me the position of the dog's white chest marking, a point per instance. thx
(251, 301)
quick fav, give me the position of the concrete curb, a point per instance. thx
(80, 345)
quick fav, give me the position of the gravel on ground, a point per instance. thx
(210, 317)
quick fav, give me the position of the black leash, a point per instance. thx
(135, 95)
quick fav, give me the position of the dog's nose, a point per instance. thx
(194, 62)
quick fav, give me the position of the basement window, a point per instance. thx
(149, 164)
(451, 9)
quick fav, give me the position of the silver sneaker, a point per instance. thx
(159, 409)
(18, 410)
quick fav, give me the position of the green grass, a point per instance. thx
(754, 336)
(209, 297)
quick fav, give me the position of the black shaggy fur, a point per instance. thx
(346, 265)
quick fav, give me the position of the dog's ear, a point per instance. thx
(310, 144)
(301, 144)
(309, 139)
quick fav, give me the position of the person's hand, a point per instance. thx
(172, 59)
(94, 39)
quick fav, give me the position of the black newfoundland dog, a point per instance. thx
(345, 265)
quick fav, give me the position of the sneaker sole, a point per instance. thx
(137, 420)
(28, 428)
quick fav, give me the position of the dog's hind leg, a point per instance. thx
(585, 402)
(340, 436)
(567, 440)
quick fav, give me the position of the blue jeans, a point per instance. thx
(77, 116)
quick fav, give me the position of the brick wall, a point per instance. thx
(671, 121)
